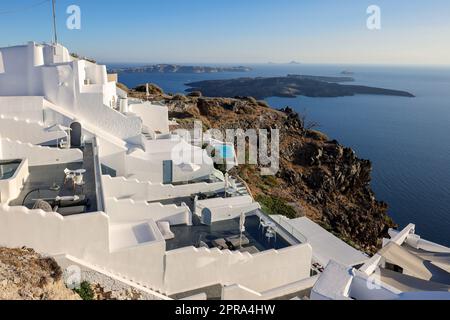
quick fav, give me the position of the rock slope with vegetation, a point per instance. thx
(26, 275)
(318, 177)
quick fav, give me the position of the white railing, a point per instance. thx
(283, 222)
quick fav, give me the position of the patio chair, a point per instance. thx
(64, 144)
(69, 175)
(221, 244)
(271, 234)
(78, 181)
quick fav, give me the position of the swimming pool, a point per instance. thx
(8, 168)
(225, 151)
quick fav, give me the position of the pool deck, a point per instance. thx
(186, 236)
(42, 178)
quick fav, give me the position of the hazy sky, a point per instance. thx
(208, 31)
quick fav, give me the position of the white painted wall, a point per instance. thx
(334, 283)
(27, 131)
(123, 188)
(27, 108)
(154, 117)
(192, 268)
(157, 151)
(363, 288)
(11, 188)
(30, 71)
(239, 292)
(230, 212)
(37, 155)
(144, 170)
(85, 237)
(127, 211)
(112, 155)
(226, 208)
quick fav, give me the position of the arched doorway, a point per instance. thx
(206, 217)
(75, 135)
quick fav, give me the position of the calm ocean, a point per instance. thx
(407, 139)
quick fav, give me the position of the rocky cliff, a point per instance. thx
(25, 275)
(318, 178)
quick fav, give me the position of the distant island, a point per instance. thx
(174, 68)
(290, 86)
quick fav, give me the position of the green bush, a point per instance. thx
(273, 205)
(85, 291)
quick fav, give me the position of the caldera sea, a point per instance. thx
(407, 139)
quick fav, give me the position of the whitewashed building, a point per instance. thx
(91, 178)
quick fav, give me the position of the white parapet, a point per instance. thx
(128, 211)
(122, 188)
(191, 268)
(37, 155)
(10, 188)
(28, 131)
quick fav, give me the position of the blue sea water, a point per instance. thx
(407, 139)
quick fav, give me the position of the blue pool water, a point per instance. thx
(225, 151)
(406, 139)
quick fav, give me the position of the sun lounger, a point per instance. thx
(237, 241)
(220, 243)
(69, 211)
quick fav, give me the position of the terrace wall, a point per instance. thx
(239, 292)
(10, 188)
(22, 107)
(154, 117)
(227, 208)
(127, 211)
(37, 155)
(121, 188)
(85, 237)
(27, 131)
(191, 268)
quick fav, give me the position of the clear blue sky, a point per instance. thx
(206, 31)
